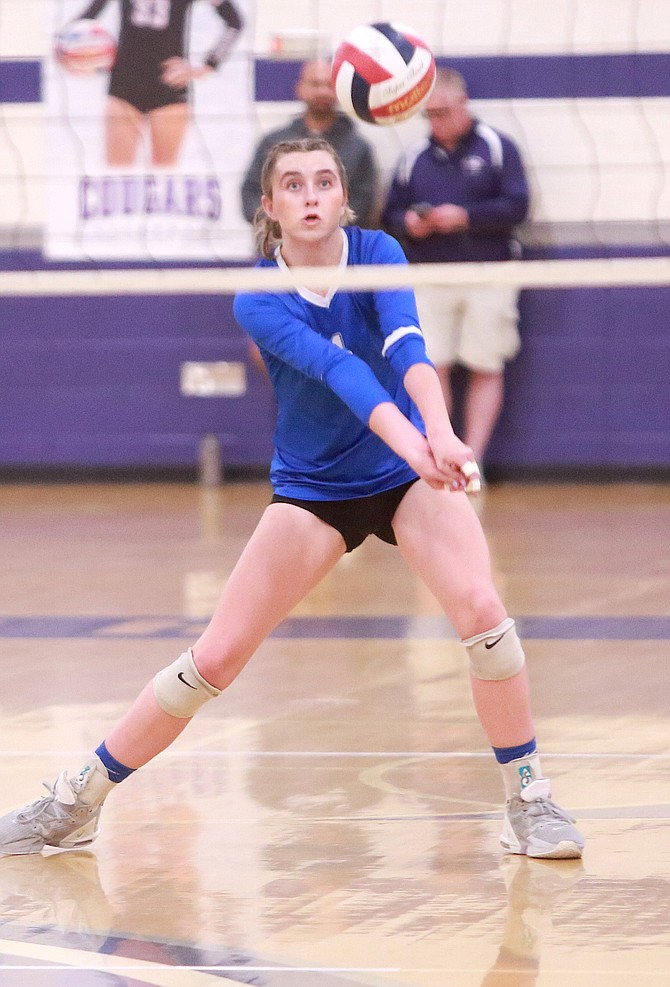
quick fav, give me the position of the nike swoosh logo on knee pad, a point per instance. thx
(181, 678)
(491, 644)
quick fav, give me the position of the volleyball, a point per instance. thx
(84, 47)
(383, 73)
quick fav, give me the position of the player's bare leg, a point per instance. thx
(290, 551)
(483, 404)
(124, 125)
(442, 541)
(168, 126)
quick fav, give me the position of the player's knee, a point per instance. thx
(180, 689)
(496, 654)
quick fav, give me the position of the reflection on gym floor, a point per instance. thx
(333, 818)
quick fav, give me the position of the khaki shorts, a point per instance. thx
(476, 327)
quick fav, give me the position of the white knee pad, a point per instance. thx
(180, 689)
(496, 654)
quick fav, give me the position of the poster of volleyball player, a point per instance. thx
(149, 126)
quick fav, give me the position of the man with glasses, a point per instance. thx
(457, 197)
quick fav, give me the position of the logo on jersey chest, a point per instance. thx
(473, 164)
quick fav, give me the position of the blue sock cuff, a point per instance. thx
(506, 754)
(117, 772)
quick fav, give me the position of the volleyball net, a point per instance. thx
(111, 321)
(582, 86)
(615, 272)
(110, 368)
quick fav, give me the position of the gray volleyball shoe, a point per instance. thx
(537, 827)
(61, 819)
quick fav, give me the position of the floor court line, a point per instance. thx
(52, 960)
(62, 958)
(415, 755)
(384, 627)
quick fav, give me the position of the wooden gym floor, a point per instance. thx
(333, 818)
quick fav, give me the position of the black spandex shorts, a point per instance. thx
(359, 517)
(145, 94)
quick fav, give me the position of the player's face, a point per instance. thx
(448, 114)
(308, 199)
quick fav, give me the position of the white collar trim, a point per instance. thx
(323, 301)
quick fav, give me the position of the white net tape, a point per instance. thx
(612, 272)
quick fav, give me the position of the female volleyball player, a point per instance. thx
(149, 81)
(364, 446)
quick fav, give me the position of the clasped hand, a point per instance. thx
(447, 218)
(440, 460)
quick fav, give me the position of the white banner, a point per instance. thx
(129, 179)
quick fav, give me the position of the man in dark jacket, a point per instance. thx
(320, 118)
(456, 197)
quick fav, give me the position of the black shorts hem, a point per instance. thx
(149, 98)
(357, 517)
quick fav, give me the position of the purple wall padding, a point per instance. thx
(94, 382)
(590, 386)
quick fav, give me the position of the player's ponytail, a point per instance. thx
(267, 234)
(267, 231)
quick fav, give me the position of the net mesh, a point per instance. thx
(146, 369)
(581, 85)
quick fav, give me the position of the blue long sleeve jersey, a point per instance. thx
(484, 174)
(332, 360)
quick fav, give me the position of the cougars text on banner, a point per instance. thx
(144, 162)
